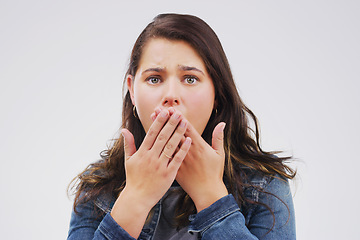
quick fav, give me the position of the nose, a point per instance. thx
(171, 94)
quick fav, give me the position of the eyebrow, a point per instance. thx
(157, 69)
(187, 68)
(181, 67)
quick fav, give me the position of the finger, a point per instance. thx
(171, 110)
(155, 113)
(218, 138)
(129, 143)
(174, 142)
(155, 129)
(153, 116)
(166, 132)
(179, 157)
(181, 141)
(193, 133)
(158, 110)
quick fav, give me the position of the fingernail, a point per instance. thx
(183, 123)
(176, 115)
(157, 110)
(164, 113)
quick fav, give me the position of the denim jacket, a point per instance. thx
(224, 219)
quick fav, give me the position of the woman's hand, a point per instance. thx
(201, 173)
(151, 169)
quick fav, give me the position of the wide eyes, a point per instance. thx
(190, 80)
(153, 80)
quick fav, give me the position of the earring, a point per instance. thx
(134, 112)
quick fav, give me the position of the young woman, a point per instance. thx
(188, 165)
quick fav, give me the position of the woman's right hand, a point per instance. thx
(151, 169)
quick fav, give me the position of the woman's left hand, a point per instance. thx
(201, 172)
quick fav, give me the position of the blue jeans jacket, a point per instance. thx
(224, 219)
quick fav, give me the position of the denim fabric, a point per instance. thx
(224, 219)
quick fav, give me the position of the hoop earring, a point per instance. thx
(134, 112)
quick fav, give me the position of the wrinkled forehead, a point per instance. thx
(161, 53)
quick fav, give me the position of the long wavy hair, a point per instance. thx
(241, 142)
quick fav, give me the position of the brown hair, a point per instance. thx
(241, 142)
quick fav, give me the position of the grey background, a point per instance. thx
(296, 65)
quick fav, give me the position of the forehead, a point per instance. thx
(161, 52)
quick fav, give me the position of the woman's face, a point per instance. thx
(172, 74)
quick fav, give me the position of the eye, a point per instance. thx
(190, 80)
(153, 80)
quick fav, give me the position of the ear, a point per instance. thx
(130, 85)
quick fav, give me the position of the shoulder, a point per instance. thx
(258, 185)
(270, 203)
(264, 190)
(105, 202)
(92, 191)
(268, 193)
(257, 179)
